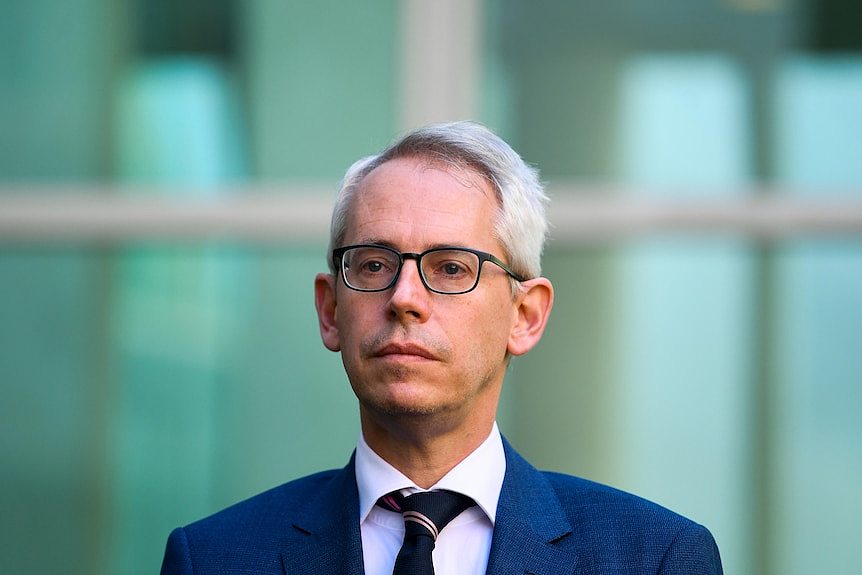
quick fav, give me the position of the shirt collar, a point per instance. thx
(479, 476)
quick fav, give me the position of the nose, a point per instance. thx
(409, 301)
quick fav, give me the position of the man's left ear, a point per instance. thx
(325, 302)
(533, 306)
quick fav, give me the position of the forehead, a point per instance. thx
(419, 201)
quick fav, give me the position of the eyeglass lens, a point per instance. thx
(446, 271)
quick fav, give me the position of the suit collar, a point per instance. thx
(325, 534)
(532, 533)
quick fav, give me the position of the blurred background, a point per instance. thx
(153, 373)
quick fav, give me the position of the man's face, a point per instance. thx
(408, 351)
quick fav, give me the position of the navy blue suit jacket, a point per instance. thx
(547, 523)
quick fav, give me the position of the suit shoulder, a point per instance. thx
(250, 536)
(272, 504)
(247, 536)
(622, 521)
(595, 506)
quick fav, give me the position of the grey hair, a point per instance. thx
(521, 225)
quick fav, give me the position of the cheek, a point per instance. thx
(347, 323)
(486, 330)
(350, 333)
(352, 312)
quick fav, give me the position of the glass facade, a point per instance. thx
(147, 383)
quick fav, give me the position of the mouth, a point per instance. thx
(403, 351)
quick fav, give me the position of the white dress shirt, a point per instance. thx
(464, 544)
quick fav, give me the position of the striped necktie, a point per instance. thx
(425, 515)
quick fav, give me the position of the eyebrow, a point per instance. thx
(391, 245)
(378, 242)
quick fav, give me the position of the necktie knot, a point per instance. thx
(425, 515)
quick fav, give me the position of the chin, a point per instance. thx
(411, 403)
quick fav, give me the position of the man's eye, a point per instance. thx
(451, 269)
(372, 266)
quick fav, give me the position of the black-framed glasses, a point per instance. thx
(445, 270)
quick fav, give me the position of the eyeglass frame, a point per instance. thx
(338, 263)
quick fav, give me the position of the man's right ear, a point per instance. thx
(324, 301)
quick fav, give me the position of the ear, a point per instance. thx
(532, 307)
(324, 301)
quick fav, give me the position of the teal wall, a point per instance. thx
(321, 76)
(144, 385)
(817, 322)
(53, 404)
(56, 63)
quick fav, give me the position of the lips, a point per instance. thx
(404, 349)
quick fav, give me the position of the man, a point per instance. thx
(435, 284)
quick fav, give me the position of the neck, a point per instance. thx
(423, 450)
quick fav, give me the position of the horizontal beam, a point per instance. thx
(180, 216)
(577, 220)
(294, 214)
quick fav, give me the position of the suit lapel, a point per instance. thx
(531, 531)
(325, 537)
